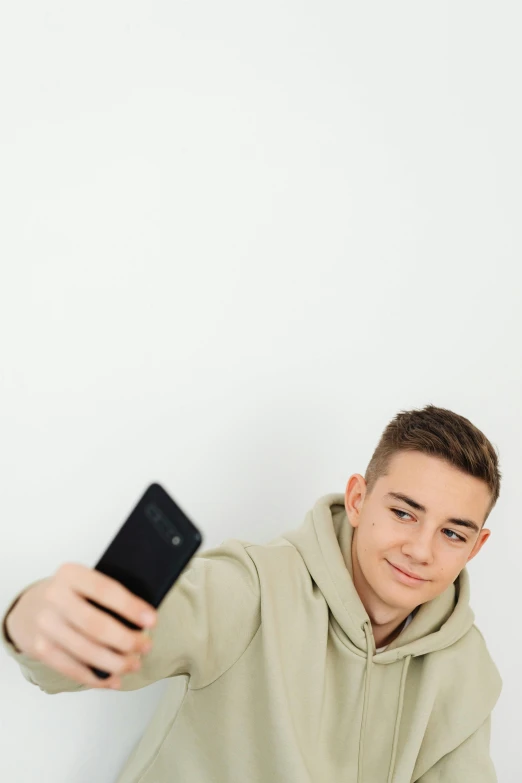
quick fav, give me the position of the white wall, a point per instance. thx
(236, 239)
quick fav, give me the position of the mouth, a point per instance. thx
(406, 577)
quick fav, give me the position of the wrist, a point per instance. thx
(7, 629)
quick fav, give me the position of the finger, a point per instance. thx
(53, 656)
(109, 593)
(83, 649)
(100, 626)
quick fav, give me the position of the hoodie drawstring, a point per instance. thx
(404, 674)
(369, 656)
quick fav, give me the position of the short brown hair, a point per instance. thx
(440, 433)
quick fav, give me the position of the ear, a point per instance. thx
(354, 498)
(481, 540)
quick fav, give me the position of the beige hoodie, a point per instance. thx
(274, 674)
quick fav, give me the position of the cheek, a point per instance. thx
(375, 545)
(448, 568)
(449, 558)
(385, 541)
(446, 571)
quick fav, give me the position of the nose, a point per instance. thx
(419, 546)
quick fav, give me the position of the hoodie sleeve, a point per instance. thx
(469, 761)
(205, 623)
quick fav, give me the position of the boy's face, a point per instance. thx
(390, 532)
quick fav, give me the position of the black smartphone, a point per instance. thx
(149, 551)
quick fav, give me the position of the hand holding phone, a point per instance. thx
(53, 622)
(58, 621)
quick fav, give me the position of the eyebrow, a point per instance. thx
(419, 507)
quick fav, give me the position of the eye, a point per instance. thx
(398, 511)
(457, 537)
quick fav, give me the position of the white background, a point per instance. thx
(236, 238)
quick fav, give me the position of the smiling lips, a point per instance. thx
(406, 573)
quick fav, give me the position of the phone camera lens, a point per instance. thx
(153, 513)
(176, 540)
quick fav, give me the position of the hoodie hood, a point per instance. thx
(324, 542)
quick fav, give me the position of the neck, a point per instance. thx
(383, 637)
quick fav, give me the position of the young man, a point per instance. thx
(343, 651)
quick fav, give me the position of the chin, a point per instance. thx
(398, 601)
(400, 596)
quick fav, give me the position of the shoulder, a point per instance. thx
(462, 685)
(467, 671)
(479, 661)
(283, 575)
(276, 555)
(237, 561)
(472, 657)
